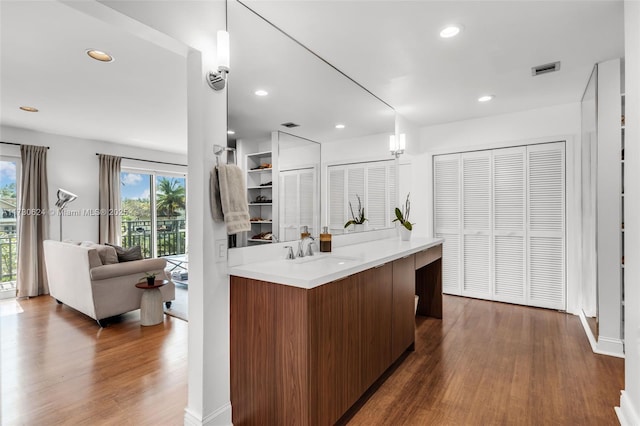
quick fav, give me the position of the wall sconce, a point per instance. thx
(217, 79)
(397, 146)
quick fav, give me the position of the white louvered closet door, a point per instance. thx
(476, 224)
(546, 225)
(308, 196)
(509, 220)
(446, 179)
(289, 206)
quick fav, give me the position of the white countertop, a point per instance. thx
(322, 268)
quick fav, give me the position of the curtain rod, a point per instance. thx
(16, 144)
(149, 161)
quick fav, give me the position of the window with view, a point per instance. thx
(154, 213)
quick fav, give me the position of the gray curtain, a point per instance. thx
(109, 200)
(33, 222)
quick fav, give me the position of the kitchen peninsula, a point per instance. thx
(309, 336)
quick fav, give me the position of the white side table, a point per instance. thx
(151, 312)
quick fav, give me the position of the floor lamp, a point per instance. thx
(64, 198)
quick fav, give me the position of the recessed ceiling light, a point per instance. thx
(99, 55)
(450, 31)
(485, 98)
(261, 92)
(340, 126)
(29, 109)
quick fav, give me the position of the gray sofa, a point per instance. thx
(78, 278)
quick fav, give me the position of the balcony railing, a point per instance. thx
(8, 252)
(170, 233)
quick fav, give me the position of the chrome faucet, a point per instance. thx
(309, 250)
(290, 254)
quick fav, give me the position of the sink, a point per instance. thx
(328, 259)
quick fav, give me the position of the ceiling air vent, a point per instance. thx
(543, 69)
(290, 125)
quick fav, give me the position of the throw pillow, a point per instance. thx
(127, 254)
(108, 255)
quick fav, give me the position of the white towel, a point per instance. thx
(216, 203)
(233, 198)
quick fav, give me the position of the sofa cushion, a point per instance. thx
(108, 255)
(127, 254)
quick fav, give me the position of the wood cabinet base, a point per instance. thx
(305, 356)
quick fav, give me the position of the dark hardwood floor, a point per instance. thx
(491, 363)
(57, 367)
(484, 364)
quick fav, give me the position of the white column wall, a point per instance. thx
(195, 24)
(609, 206)
(630, 400)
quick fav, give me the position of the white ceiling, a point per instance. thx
(390, 47)
(138, 99)
(393, 48)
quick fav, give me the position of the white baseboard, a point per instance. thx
(604, 345)
(220, 417)
(611, 347)
(627, 414)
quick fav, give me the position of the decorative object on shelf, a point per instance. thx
(267, 183)
(262, 199)
(150, 277)
(359, 219)
(267, 236)
(263, 166)
(402, 216)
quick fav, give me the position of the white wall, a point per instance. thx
(630, 400)
(554, 123)
(72, 164)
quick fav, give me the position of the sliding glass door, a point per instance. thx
(9, 172)
(154, 217)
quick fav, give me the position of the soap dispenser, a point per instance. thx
(304, 232)
(325, 240)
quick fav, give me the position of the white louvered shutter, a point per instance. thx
(476, 220)
(546, 225)
(392, 197)
(376, 196)
(446, 178)
(308, 195)
(337, 199)
(355, 186)
(509, 217)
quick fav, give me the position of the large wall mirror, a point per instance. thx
(285, 110)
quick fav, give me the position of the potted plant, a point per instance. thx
(356, 220)
(150, 277)
(402, 216)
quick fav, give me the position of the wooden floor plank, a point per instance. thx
(57, 367)
(491, 363)
(484, 364)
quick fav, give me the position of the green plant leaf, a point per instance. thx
(399, 215)
(351, 222)
(408, 226)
